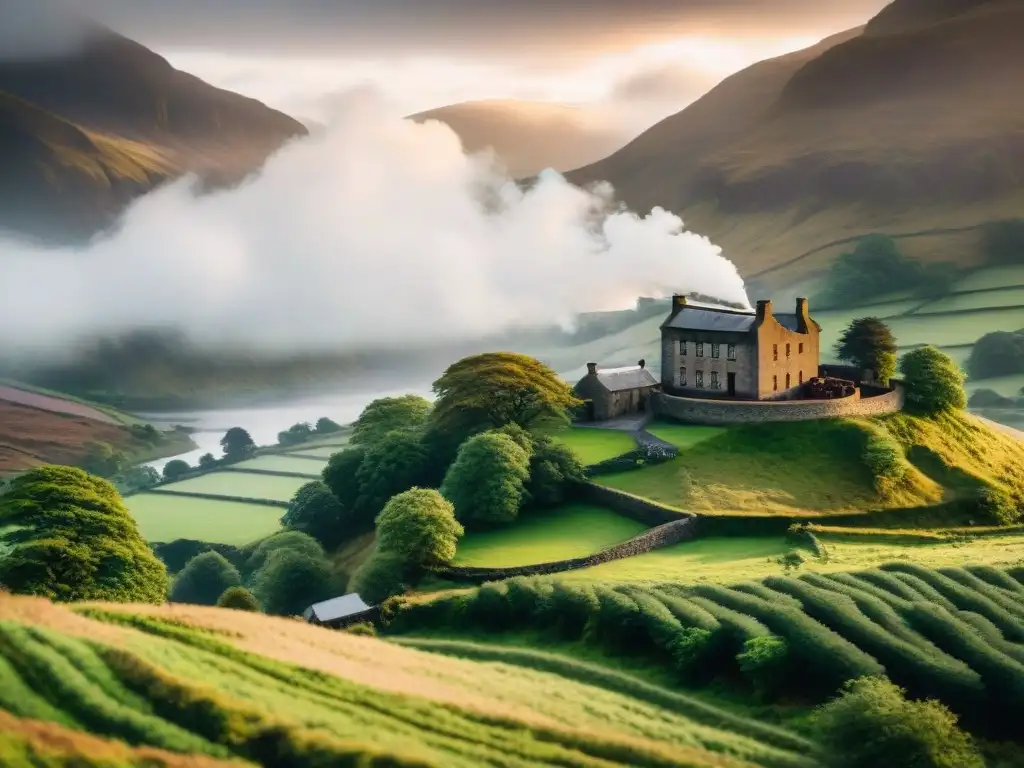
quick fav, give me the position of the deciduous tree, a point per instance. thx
(934, 382)
(486, 481)
(294, 541)
(388, 414)
(239, 599)
(237, 444)
(291, 581)
(176, 469)
(316, 511)
(325, 426)
(204, 579)
(554, 470)
(207, 461)
(76, 540)
(340, 476)
(380, 577)
(395, 463)
(868, 343)
(419, 525)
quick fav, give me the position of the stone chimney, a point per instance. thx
(764, 310)
(642, 363)
(803, 316)
(678, 302)
(592, 369)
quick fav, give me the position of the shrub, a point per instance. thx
(204, 579)
(290, 581)
(764, 660)
(380, 577)
(316, 511)
(934, 383)
(486, 481)
(996, 506)
(295, 541)
(362, 629)
(871, 723)
(886, 460)
(419, 525)
(239, 599)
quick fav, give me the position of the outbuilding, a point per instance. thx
(340, 611)
(615, 391)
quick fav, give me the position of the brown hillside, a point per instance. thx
(914, 130)
(529, 136)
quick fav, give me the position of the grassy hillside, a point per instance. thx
(229, 685)
(913, 129)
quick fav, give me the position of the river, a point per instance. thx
(263, 423)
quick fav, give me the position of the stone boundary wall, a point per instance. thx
(270, 472)
(726, 412)
(656, 538)
(626, 504)
(216, 497)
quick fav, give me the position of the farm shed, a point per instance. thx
(340, 611)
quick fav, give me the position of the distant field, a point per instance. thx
(241, 485)
(283, 463)
(55, 404)
(683, 436)
(321, 453)
(730, 560)
(596, 445)
(992, 277)
(1008, 386)
(574, 530)
(166, 518)
(1007, 297)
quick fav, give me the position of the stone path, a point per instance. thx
(646, 440)
(636, 425)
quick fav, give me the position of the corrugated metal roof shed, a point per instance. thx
(622, 379)
(336, 608)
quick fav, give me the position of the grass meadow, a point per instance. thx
(683, 436)
(595, 445)
(219, 684)
(240, 485)
(284, 463)
(573, 530)
(162, 517)
(322, 452)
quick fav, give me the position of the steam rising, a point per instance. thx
(376, 231)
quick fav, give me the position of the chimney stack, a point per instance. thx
(764, 310)
(803, 316)
(592, 369)
(642, 363)
(678, 302)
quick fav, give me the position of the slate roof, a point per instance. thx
(336, 608)
(706, 318)
(621, 379)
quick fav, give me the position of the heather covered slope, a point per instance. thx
(229, 685)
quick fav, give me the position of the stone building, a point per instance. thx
(616, 391)
(718, 352)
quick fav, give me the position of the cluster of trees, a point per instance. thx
(876, 267)
(304, 431)
(1000, 353)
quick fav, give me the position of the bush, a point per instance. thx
(204, 579)
(886, 460)
(290, 581)
(316, 511)
(419, 525)
(764, 660)
(995, 506)
(362, 629)
(380, 577)
(175, 470)
(934, 383)
(486, 482)
(872, 724)
(239, 599)
(295, 541)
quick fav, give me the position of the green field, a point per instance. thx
(573, 530)
(283, 463)
(1008, 297)
(240, 485)
(683, 436)
(231, 685)
(595, 445)
(166, 518)
(324, 452)
(992, 277)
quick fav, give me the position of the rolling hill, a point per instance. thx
(909, 125)
(529, 136)
(85, 133)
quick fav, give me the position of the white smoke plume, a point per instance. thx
(374, 231)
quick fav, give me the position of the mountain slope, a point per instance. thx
(911, 130)
(87, 132)
(529, 136)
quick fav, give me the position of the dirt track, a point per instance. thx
(54, 404)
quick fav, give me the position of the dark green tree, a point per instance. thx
(872, 724)
(101, 459)
(75, 540)
(325, 426)
(207, 461)
(874, 267)
(1003, 242)
(293, 541)
(934, 382)
(295, 434)
(136, 479)
(486, 481)
(175, 470)
(395, 463)
(382, 576)
(204, 579)
(420, 525)
(999, 353)
(237, 444)
(239, 599)
(388, 414)
(316, 511)
(554, 471)
(291, 581)
(868, 343)
(340, 476)
(491, 390)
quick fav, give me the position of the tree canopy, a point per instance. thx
(868, 343)
(295, 541)
(491, 390)
(340, 476)
(325, 426)
(76, 540)
(296, 434)
(554, 469)
(207, 461)
(204, 579)
(999, 353)
(239, 599)
(237, 444)
(419, 524)
(316, 511)
(395, 463)
(486, 482)
(380, 577)
(176, 469)
(290, 581)
(388, 414)
(1003, 242)
(934, 382)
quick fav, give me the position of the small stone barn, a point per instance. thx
(615, 391)
(340, 611)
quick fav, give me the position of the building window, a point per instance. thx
(700, 379)
(730, 351)
(775, 351)
(775, 383)
(714, 380)
(682, 377)
(787, 350)
(700, 349)
(801, 378)
(682, 347)
(716, 351)
(787, 381)
(801, 348)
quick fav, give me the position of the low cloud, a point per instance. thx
(375, 231)
(39, 29)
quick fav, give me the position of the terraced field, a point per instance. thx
(207, 686)
(239, 485)
(955, 634)
(163, 517)
(595, 445)
(283, 463)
